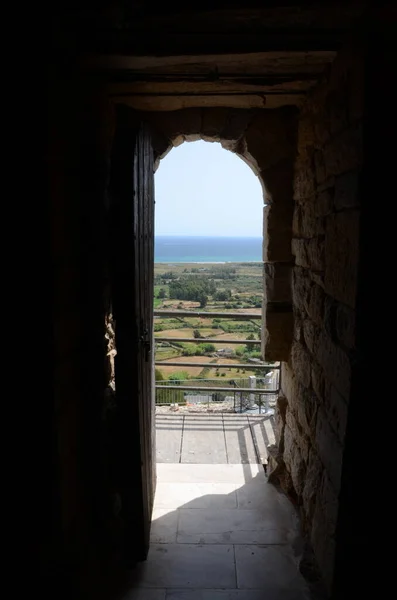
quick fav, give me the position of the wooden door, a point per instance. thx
(132, 241)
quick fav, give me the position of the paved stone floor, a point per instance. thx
(213, 439)
(219, 530)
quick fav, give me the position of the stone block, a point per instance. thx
(309, 253)
(305, 223)
(329, 448)
(300, 438)
(319, 165)
(277, 282)
(304, 179)
(344, 152)
(315, 253)
(316, 304)
(213, 122)
(301, 289)
(324, 203)
(317, 277)
(318, 380)
(312, 484)
(322, 535)
(176, 124)
(307, 415)
(345, 325)
(310, 334)
(161, 146)
(300, 363)
(278, 216)
(278, 473)
(335, 363)
(341, 256)
(287, 381)
(328, 501)
(237, 122)
(330, 308)
(279, 182)
(299, 250)
(294, 461)
(195, 137)
(336, 409)
(178, 140)
(280, 419)
(271, 137)
(279, 332)
(298, 328)
(346, 190)
(278, 246)
(306, 136)
(321, 129)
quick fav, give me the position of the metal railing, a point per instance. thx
(237, 395)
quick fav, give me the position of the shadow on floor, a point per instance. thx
(214, 438)
(221, 532)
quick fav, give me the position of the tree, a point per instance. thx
(203, 300)
(208, 347)
(249, 347)
(222, 296)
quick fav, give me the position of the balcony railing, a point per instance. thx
(239, 395)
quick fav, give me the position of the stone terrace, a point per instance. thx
(219, 530)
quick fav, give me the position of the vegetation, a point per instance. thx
(194, 288)
(218, 288)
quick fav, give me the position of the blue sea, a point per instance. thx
(180, 249)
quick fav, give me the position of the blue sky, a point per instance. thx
(202, 189)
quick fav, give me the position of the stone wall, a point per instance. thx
(316, 377)
(266, 140)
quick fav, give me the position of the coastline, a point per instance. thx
(205, 262)
(207, 250)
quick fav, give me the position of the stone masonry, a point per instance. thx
(316, 377)
(266, 141)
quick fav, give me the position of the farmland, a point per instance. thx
(225, 288)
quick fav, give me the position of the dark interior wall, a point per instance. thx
(80, 132)
(369, 453)
(316, 379)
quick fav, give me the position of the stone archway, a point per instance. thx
(266, 141)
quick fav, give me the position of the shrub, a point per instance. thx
(207, 347)
(179, 376)
(158, 375)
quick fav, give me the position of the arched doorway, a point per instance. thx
(266, 142)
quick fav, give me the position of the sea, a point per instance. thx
(201, 249)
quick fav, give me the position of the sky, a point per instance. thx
(202, 189)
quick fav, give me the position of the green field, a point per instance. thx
(232, 287)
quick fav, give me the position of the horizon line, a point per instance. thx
(205, 235)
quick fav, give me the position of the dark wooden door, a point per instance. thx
(132, 240)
